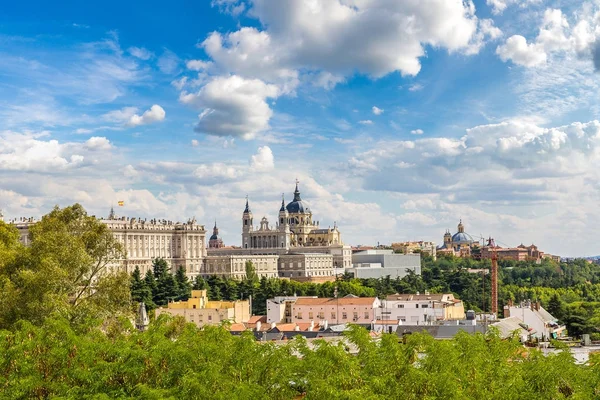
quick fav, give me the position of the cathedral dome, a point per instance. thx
(462, 237)
(297, 206)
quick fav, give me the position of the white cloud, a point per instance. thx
(80, 131)
(366, 122)
(128, 116)
(417, 132)
(263, 159)
(197, 65)
(130, 172)
(168, 62)
(26, 152)
(155, 114)
(98, 143)
(498, 6)
(520, 52)
(232, 106)
(195, 143)
(377, 111)
(415, 87)
(141, 53)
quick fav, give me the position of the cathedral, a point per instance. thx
(459, 244)
(295, 228)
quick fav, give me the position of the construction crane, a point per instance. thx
(494, 271)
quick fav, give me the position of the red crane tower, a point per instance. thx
(494, 271)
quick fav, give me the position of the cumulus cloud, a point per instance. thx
(195, 143)
(520, 52)
(232, 106)
(155, 114)
(377, 111)
(417, 132)
(29, 152)
(555, 35)
(366, 122)
(498, 6)
(128, 116)
(98, 143)
(263, 159)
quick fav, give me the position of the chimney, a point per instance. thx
(297, 328)
(273, 325)
(312, 325)
(258, 326)
(325, 325)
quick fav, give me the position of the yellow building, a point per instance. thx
(201, 311)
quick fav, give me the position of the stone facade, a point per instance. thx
(182, 245)
(234, 266)
(316, 252)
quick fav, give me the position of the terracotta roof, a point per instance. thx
(238, 327)
(286, 327)
(257, 318)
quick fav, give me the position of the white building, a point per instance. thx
(234, 266)
(420, 309)
(279, 309)
(182, 245)
(534, 316)
(381, 263)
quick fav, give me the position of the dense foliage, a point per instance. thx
(64, 272)
(175, 360)
(569, 290)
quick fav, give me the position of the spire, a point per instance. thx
(215, 229)
(297, 192)
(282, 209)
(247, 209)
(142, 321)
(111, 215)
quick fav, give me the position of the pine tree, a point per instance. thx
(140, 291)
(184, 286)
(199, 283)
(160, 268)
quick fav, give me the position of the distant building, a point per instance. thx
(200, 311)
(304, 250)
(543, 325)
(381, 263)
(420, 309)
(215, 241)
(279, 309)
(460, 244)
(428, 248)
(519, 253)
(234, 266)
(348, 309)
(181, 245)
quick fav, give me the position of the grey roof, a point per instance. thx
(440, 331)
(508, 325)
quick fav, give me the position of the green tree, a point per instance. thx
(67, 269)
(251, 272)
(140, 292)
(199, 283)
(184, 286)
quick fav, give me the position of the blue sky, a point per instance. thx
(397, 118)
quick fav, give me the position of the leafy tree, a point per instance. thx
(65, 270)
(199, 283)
(251, 272)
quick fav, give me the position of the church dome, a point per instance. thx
(462, 237)
(297, 206)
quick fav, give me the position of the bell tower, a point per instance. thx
(247, 226)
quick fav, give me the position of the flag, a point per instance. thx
(121, 203)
